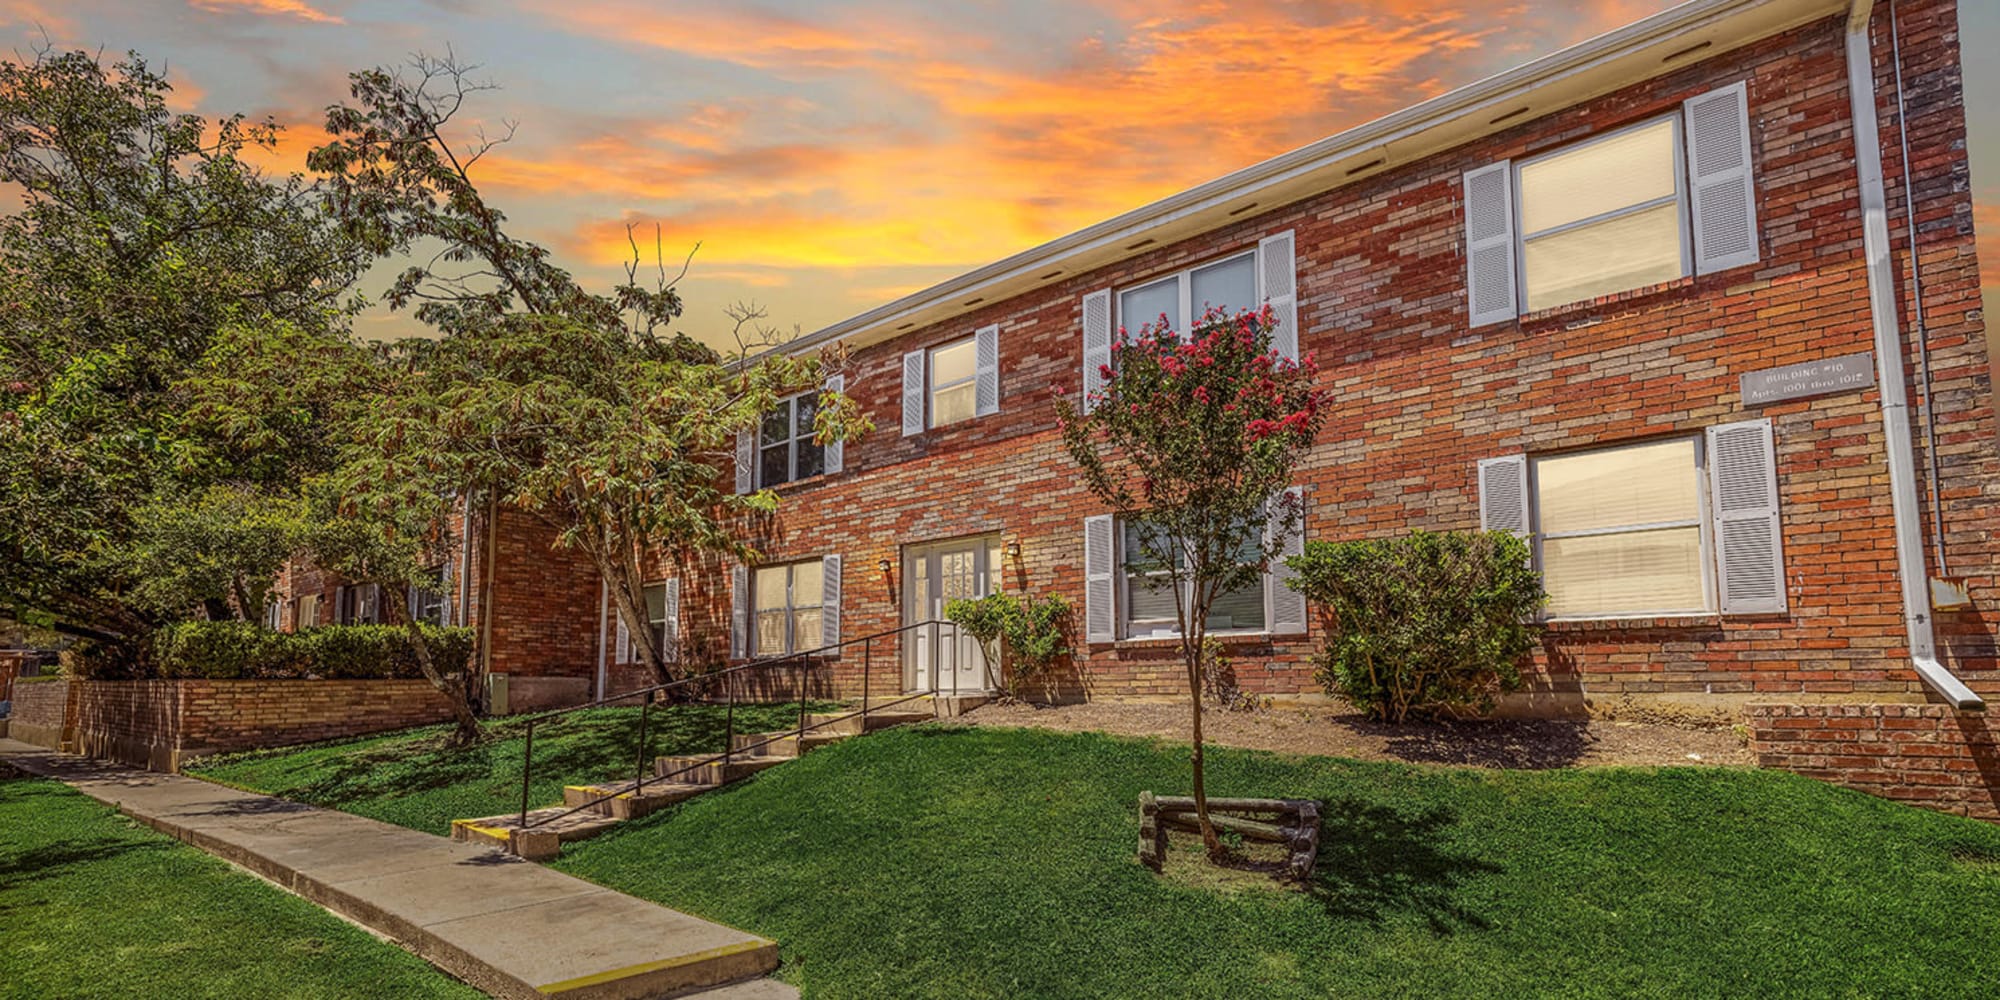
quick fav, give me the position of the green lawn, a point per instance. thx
(94, 905)
(411, 779)
(948, 862)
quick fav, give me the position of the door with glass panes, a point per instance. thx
(934, 575)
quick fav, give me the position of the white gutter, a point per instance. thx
(1890, 373)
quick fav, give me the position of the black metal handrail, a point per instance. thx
(799, 663)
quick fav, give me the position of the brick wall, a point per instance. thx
(1925, 755)
(1420, 397)
(45, 713)
(160, 723)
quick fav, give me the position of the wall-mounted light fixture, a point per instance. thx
(888, 577)
(1014, 549)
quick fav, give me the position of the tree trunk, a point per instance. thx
(485, 657)
(1209, 840)
(455, 691)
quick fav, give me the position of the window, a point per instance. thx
(308, 611)
(786, 608)
(430, 600)
(1229, 284)
(1606, 216)
(1621, 530)
(274, 614)
(785, 442)
(658, 618)
(1150, 604)
(358, 604)
(954, 370)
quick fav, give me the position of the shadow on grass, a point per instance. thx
(1374, 860)
(1525, 744)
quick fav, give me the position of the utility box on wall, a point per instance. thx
(496, 694)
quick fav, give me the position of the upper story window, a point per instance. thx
(1266, 276)
(1229, 284)
(1603, 217)
(1639, 206)
(953, 382)
(785, 448)
(954, 372)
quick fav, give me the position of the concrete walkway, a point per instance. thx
(507, 926)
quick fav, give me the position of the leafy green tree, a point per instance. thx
(142, 234)
(1191, 441)
(579, 408)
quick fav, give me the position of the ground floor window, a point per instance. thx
(1621, 531)
(308, 615)
(657, 618)
(430, 599)
(358, 604)
(786, 608)
(1152, 606)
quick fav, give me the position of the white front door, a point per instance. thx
(935, 575)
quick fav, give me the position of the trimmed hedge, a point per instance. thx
(1431, 623)
(249, 651)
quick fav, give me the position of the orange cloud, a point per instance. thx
(272, 8)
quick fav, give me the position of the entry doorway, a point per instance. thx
(934, 574)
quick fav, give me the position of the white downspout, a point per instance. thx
(1890, 375)
(603, 621)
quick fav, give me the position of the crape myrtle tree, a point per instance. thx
(142, 234)
(580, 409)
(1191, 441)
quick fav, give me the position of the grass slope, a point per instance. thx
(999, 863)
(412, 779)
(96, 906)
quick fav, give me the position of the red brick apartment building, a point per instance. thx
(1693, 304)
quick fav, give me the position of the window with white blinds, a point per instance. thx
(1620, 530)
(1634, 207)
(786, 607)
(1151, 607)
(954, 371)
(1604, 217)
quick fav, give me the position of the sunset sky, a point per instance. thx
(830, 156)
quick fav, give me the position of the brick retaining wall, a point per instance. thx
(1925, 755)
(44, 713)
(161, 723)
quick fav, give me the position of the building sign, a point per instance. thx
(1809, 378)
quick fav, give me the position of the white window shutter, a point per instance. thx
(746, 461)
(739, 612)
(1719, 166)
(1489, 243)
(1277, 283)
(673, 612)
(913, 393)
(1100, 579)
(1287, 606)
(829, 603)
(1749, 544)
(836, 451)
(1503, 494)
(986, 354)
(623, 646)
(1096, 343)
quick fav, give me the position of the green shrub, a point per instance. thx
(248, 651)
(1434, 624)
(1033, 630)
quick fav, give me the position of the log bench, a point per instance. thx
(1293, 823)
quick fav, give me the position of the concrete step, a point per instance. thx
(951, 706)
(783, 743)
(901, 715)
(711, 771)
(626, 800)
(541, 839)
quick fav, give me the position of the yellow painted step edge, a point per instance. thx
(754, 944)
